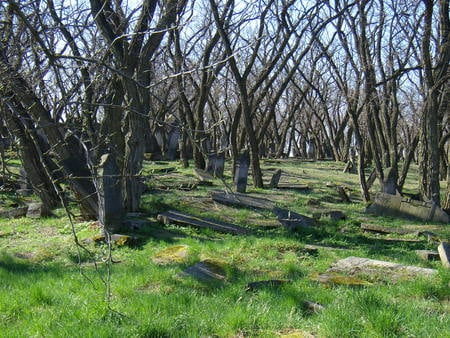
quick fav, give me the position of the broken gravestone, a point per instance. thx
(242, 200)
(444, 254)
(272, 283)
(241, 172)
(404, 207)
(206, 271)
(292, 220)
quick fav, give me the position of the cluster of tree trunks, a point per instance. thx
(190, 79)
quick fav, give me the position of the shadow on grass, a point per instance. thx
(16, 265)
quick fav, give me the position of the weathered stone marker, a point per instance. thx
(241, 172)
(386, 230)
(357, 265)
(206, 271)
(401, 206)
(216, 164)
(242, 200)
(292, 220)
(275, 179)
(444, 253)
(110, 210)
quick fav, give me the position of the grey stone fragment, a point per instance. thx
(206, 271)
(292, 220)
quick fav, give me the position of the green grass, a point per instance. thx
(45, 292)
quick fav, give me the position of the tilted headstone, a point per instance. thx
(241, 173)
(389, 181)
(38, 210)
(404, 207)
(275, 179)
(109, 191)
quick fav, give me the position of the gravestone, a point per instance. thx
(206, 271)
(216, 164)
(275, 179)
(109, 190)
(241, 172)
(366, 266)
(172, 143)
(444, 254)
(292, 220)
(175, 217)
(243, 200)
(404, 207)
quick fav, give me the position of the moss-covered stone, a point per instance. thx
(171, 255)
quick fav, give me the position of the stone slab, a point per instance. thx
(428, 255)
(175, 217)
(394, 205)
(243, 200)
(355, 265)
(207, 271)
(444, 254)
(14, 213)
(203, 176)
(37, 210)
(292, 220)
(386, 230)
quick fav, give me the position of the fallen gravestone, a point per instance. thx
(404, 207)
(206, 271)
(386, 230)
(293, 186)
(242, 200)
(444, 254)
(174, 217)
(366, 266)
(292, 220)
(428, 255)
(333, 278)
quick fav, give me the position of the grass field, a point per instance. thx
(50, 287)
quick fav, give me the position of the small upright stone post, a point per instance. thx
(241, 173)
(444, 254)
(109, 192)
(220, 165)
